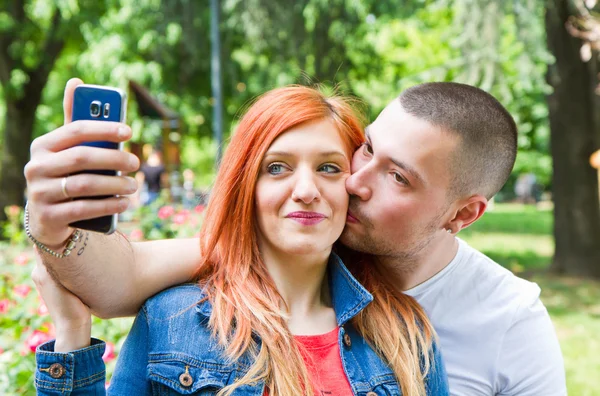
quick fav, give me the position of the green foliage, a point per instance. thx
(160, 221)
(25, 324)
(372, 49)
(12, 229)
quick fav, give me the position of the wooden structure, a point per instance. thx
(150, 108)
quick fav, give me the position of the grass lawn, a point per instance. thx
(520, 238)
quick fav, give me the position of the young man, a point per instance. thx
(431, 161)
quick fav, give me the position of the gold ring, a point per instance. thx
(63, 184)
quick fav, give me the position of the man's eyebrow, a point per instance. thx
(408, 169)
(400, 164)
(367, 134)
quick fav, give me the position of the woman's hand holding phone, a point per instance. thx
(59, 154)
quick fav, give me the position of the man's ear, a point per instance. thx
(468, 211)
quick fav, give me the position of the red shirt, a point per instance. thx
(321, 354)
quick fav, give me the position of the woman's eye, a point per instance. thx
(275, 169)
(328, 168)
(367, 148)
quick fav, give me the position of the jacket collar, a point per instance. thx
(348, 296)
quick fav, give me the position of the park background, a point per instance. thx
(538, 57)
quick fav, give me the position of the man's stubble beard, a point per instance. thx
(397, 258)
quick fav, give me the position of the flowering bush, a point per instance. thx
(24, 318)
(12, 228)
(25, 323)
(167, 221)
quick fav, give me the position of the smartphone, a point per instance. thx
(99, 103)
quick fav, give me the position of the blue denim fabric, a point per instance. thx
(84, 370)
(170, 338)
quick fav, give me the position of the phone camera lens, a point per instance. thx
(95, 108)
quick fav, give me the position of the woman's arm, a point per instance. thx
(73, 365)
(79, 372)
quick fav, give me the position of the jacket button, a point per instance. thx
(56, 370)
(371, 394)
(186, 380)
(347, 341)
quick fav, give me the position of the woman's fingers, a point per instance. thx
(81, 209)
(81, 131)
(79, 159)
(81, 185)
(68, 98)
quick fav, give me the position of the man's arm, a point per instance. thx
(114, 276)
(108, 273)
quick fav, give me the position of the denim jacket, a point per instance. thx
(170, 351)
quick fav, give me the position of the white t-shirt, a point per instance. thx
(495, 334)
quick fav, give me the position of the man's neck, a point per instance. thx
(425, 264)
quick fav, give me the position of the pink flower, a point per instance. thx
(180, 218)
(109, 352)
(42, 309)
(199, 209)
(165, 212)
(36, 338)
(13, 211)
(4, 304)
(22, 259)
(136, 235)
(48, 327)
(22, 290)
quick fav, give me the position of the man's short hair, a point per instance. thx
(487, 133)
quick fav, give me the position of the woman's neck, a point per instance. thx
(302, 282)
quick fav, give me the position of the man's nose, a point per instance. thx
(306, 190)
(358, 183)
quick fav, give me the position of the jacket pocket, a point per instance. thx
(180, 375)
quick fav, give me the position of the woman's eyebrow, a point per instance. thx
(330, 153)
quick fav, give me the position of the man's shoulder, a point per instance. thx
(496, 282)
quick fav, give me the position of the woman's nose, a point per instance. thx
(306, 189)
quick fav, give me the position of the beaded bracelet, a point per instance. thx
(71, 242)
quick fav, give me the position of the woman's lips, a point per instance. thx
(306, 218)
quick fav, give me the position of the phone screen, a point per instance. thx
(91, 102)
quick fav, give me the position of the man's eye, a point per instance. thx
(275, 169)
(398, 177)
(329, 168)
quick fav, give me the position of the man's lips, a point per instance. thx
(350, 218)
(306, 218)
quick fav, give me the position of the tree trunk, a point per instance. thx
(18, 132)
(574, 137)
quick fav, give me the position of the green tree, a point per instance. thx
(574, 125)
(33, 35)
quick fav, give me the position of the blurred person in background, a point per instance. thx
(189, 194)
(155, 176)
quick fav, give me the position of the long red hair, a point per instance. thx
(244, 297)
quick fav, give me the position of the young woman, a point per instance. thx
(274, 311)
